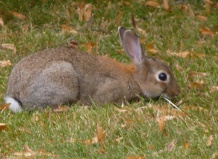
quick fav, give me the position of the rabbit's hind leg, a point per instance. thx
(56, 84)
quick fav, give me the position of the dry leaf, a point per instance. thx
(120, 110)
(206, 31)
(1, 22)
(135, 157)
(150, 48)
(215, 155)
(9, 47)
(186, 8)
(89, 47)
(84, 12)
(209, 140)
(68, 28)
(4, 106)
(200, 74)
(186, 145)
(183, 54)
(3, 126)
(99, 133)
(18, 15)
(161, 122)
(166, 5)
(213, 89)
(171, 146)
(202, 18)
(133, 21)
(152, 4)
(118, 18)
(5, 63)
(61, 109)
(197, 85)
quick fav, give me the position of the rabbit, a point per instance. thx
(65, 76)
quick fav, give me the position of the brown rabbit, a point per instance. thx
(66, 75)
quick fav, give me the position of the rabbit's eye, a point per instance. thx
(162, 76)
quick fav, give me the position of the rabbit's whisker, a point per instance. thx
(172, 103)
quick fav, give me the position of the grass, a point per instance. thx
(138, 129)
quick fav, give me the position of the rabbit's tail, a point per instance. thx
(15, 104)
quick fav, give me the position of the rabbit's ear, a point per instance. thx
(132, 46)
(121, 32)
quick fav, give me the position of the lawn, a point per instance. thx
(184, 35)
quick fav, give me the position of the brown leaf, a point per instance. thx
(99, 133)
(88, 11)
(215, 155)
(135, 157)
(200, 74)
(118, 18)
(9, 47)
(201, 17)
(89, 47)
(197, 85)
(5, 63)
(161, 122)
(183, 54)
(133, 21)
(152, 4)
(186, 145)
(3, 126)
(68, 28)
(1, 22)
(166, 5)
(60, 109)
(209, 140)
(213, 89)
(18, 15)
(4, 106)
(206, 31)
(120, 110)
(171, 146)
(187, 9)
(150, 48)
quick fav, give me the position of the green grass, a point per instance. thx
(134, 132)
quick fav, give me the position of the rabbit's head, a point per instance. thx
(153, 76)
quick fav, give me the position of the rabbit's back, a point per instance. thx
(62, 75)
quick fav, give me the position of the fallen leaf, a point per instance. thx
(215, 155)
(88, 11)
(89, 47)
(209, 140)
(3, 126)
(187, 9)
(150, 48)
(1, 22)
(84, 11)
(5, 63)
(152, 4)
(197, 85)
(161, 122)
(213, 89)
(68, 28)
(118, 18)
(171, 146)
(18, 15)
(183, 54)
(60, 109)
(120, 110)
(133, 21)
(4, 106)
(135, 157)
(166, 5)
(99, 133)
(206, 31)
(9, 47)
(201, 18)
(200, 74)
(186, 145)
